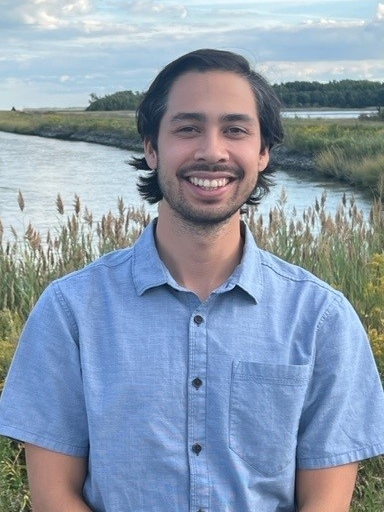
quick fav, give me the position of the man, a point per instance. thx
(193, 371)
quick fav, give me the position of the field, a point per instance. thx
(345, 250)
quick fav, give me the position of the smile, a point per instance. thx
(209, 184)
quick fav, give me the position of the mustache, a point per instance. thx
(235, 172)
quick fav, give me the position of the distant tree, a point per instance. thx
(334, 94)
(122, 100)
(337, 94)
(93, 97)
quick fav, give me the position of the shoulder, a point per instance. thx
(90, 284)
(291, 288)
(281, 270)
(104, 268)
(110, 263)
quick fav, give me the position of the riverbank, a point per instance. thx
(115, 129)
(351, 151)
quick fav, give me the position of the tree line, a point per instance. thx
(334, 94)
(121, 100)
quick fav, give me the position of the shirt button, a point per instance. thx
(196, 383)
(198, 319)
(196, 448)
(200, 510)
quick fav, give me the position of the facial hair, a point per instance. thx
(203, 217)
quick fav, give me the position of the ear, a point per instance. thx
(150, 154)
(263, 159)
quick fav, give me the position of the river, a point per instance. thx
(327, 114)
(43, 168)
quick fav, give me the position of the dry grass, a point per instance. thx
(346, 250)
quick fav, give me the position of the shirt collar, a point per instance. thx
(248, 274)
(149, 271)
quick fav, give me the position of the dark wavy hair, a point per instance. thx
(153, 106)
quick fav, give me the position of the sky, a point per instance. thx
(56, 53)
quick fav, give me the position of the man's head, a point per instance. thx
(154, 105)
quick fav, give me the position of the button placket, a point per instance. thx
(197, 412)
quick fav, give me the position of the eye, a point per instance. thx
(236, 131)
(186, 129)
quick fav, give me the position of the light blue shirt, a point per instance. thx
(184, 405)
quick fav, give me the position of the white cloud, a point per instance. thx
(70, 48)
(380, 12)
(147, 7)
(323, 71)
(50, 14)
(81, 6)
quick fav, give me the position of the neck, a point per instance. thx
(199, 258)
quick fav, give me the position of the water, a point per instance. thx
(43, 168)
(326, 114)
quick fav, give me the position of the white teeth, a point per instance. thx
(209, 184)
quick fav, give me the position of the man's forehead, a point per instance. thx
(202, 117)
(197, 93)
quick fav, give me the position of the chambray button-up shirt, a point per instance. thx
(194, 406)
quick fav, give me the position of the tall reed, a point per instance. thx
(346, 250)
(352, 151)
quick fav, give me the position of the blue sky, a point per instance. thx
(55, 53)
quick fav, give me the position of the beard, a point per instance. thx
(208, 214)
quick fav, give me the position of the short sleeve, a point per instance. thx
(43, 400)
(343, 416)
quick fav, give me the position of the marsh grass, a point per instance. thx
(118, 127)
(345, 250)
(352, 151)
(30, 260)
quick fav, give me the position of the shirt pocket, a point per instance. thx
(264, 413)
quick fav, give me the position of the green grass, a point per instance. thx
(117, 127)
(351, 151)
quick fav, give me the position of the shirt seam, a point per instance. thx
(44, 437)
(341, 454)
(66, 308)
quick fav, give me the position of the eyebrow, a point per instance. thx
(225, 118)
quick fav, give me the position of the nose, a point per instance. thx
(211, 148)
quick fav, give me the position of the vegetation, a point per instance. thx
(114, 129)
(334, 94)
(348, 150)
(122, 100)
(346, 250)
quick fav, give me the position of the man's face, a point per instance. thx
(209, 147)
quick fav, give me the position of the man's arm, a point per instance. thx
(326, 490)
(55, 480)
